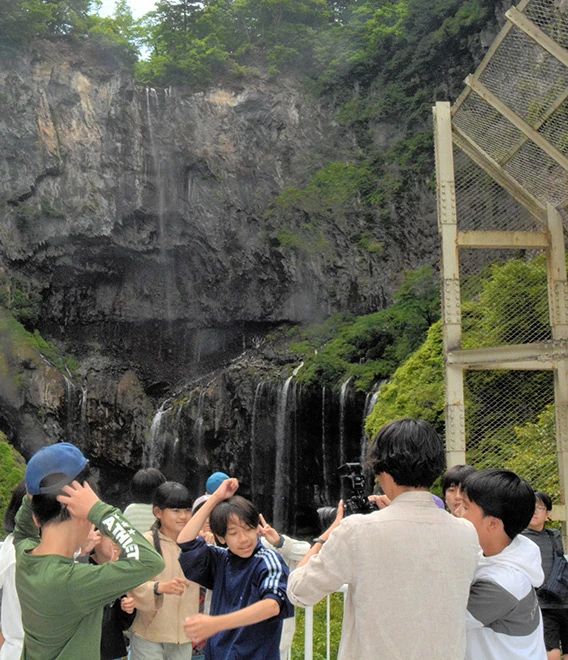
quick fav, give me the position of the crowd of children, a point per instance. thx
(209, 580)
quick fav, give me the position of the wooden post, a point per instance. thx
(558, 306)
(451, 303)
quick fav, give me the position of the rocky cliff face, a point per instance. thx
(141, 226)
(141, 218)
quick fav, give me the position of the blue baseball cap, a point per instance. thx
(214, 481)
(61, 458)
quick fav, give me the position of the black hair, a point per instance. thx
(169, 495)
(504, 495)
(13, 507)
(544, 498)
(45, 506)
(144, 483)
(455, 476)
(237, 506)
(410, 451)
(172, 495)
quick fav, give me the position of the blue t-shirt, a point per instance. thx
(237, 583)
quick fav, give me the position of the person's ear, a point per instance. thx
(221, 539)
(495, 524)
(36, 521)
(157, 512)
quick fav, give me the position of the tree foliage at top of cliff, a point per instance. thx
(194, 43)
(23, 21)
(405, 47)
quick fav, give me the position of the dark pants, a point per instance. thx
(555, 622)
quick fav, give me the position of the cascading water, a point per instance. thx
(370, 401)
(253, 441)
(324, 448)
(84, 422)
(284, 444)
(342, 404)
(176, 429)
(199, 431)
(69, 407)
(154, 449)
(280, 477)
(161, 181)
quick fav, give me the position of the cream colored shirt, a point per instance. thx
(160, 618)
(408, 569)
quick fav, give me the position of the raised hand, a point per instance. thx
(227, 489)
(269, 533)
(78, 498)
(127, 604)
(338, 518)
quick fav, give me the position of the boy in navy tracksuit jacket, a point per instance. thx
(248, 581)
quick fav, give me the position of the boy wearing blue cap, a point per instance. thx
(62, 601)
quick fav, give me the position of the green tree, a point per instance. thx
(369, 348)
(12, 469)
(416, 388)
(121, 33)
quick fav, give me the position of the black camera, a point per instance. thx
(353, 493)
(354, 489)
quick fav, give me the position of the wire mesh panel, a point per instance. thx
(487, 127)
(512, 120)
(539, 174)
(510, 424)
(525, 76)
(555, 128)
(482, 204)
(504, 298)
(529, 78)
(551, 18)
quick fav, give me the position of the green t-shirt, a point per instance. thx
(62, 601)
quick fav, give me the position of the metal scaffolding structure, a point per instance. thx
(502, 189)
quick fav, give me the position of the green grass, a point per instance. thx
(319, 637)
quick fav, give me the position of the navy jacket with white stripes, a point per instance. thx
(237, 583)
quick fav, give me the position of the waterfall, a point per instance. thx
(155, 444)
(176, 428)
(370, 401)
(342, 405)
(280, 477)
(325, 466)
(69, 408)
(84, 422)
(160, 166)
(253, 448)
(199, 431)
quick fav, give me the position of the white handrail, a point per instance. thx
(309, 627)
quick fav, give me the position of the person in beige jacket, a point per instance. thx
(408, 567)
(162, 604)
